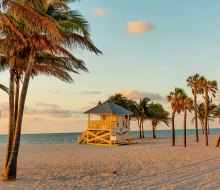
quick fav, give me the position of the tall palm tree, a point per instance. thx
(193, 82)
(186, 105)
(48, 65)
(20, 32)
(211, 109)
(175, 99)
(216, 114)
(140, 113)
(12, 36)
(139, 109)
(157, 114)
(200, 115)
(209, 88)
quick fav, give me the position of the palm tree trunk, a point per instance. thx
(208, 127)
(185, 116)
(206, 118)
(154, 131)
(173, 128)
(196, 119)
(142, 128)
(11, 122)
(139, 125)
(17, 89)
(12, 164)
(218, 141)
(202, 125)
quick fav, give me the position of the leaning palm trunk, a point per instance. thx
(206, 118)
(218, 141)
(140, 131)
(139, 125)
(17, 88)
(142, 128)
(11, 122)
(173, 129)
(196, 120)
(11, 170)
(185, 115)
(208, 127)
(202, 126)
(154, 131)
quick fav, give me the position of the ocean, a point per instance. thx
(51, 138)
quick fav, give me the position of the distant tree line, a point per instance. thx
(143, 110)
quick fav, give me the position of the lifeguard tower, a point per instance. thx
(112, 128)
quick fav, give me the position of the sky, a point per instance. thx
(149, 48)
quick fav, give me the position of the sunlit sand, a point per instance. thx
(151, 164)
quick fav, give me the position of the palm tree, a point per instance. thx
(139, 109)
(207, 87)
(140, 112)
(194, 83)
(157, 114)
(216, 114)
(12, 36)
(175, 99)
(42, 66)
(211, 109)
(218, 141)
(120, 100)
(52, 36)
(186, 105)
(200, 115)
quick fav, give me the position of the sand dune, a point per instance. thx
(151, 164)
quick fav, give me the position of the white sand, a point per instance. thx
(152, 164)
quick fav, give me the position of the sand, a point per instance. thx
(151, 164)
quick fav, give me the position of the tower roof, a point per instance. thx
(109, 108)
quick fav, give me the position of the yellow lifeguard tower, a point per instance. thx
(112, 128)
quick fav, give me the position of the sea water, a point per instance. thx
(52, 138)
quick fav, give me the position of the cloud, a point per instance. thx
(34, 119)
(137, 27)
(42, 104)
(58, 112)
(42, 108)
(91, 92)
(99, 11)
(135, 94)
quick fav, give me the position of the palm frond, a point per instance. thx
(34, 21)
(52, 71)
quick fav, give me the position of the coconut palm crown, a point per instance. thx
(209, 88)
(193, 82)
(175, 98)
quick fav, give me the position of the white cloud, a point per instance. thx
(137, 27)
(99, 11)
(135, 94)
(42, 104)
(91, 92)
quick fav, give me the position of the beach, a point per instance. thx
(149, 164)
